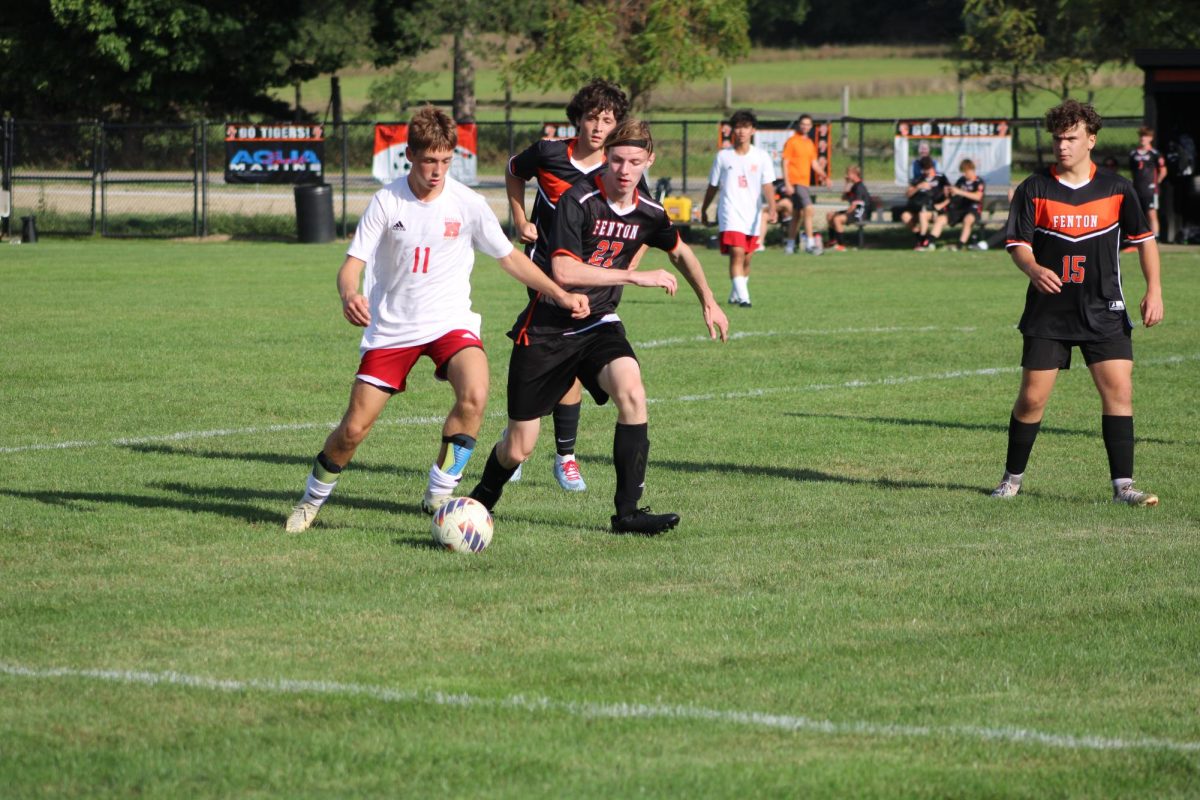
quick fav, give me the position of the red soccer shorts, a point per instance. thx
(736, 239)
(388, 367)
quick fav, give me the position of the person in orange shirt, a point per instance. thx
(800, 166)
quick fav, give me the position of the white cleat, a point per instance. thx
(302, 517)
(431, 502)
(566, 472)
(1007, 489)
(1127, 495)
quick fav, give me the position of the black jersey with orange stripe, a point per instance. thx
(1077, 232)
(550, 162)
(590, 229)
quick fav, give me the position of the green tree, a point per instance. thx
(154, 59)
(638, 43)
(777, 22)
(1001, 44)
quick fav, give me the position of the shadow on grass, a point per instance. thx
(79, 501)
(799, 474)
(972, 426)
(265, 458)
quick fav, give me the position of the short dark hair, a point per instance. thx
(925, 162)
(596, 96)
(801, 118)
(967, 164)
(1069, 113)
(630, 133)
(430, 129)
(1145, 131)
(744, 117)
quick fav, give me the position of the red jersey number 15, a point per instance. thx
(1072, 269)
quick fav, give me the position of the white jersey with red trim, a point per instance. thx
(740, 178)
(419, 259)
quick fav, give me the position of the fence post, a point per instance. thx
(6, 170)
(196, 171)
(204, 177)
(845, 113)
(102, 163)
(345, 173)
(683, 164)
(862, 167)
(96, 138)
(1037, 138)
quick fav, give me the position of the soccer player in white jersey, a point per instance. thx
(745, 176)
(419, 235)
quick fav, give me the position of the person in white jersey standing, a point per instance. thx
(419, 235)
(744, 175)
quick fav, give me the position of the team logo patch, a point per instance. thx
(452, 228)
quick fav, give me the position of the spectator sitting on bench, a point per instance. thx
(966, 203)
(783, 207)
(859, 211)
(926, 196)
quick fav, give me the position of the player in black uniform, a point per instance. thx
(926, 197)
(859, 198)
(1064, 231)
(1147, 167)
(598, 228)
(557, 165)
(966, 203)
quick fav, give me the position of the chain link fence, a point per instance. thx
(147, 180)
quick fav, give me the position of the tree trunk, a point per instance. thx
(464, 79)
(296, 111)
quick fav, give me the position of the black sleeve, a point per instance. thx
(569, 224)
(665, 236)
(524, 164)
(1020, 217)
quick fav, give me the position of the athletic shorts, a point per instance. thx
(800, 196)
(1148, 197)
(855, 214)
(541, 372)
(1056, 353)
(731, 239)
(956, 214)
(388, 367)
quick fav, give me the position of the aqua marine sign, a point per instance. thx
(274, 153)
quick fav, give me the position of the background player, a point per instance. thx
(600, 224)
(966, 202)
(859, 198)
(1148, 168)
(744, 175)
(926, 197)
(1064, 231)
(558, 165)
(418, 234)
(801, 165)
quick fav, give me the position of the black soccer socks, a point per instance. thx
(1021, 436)
(491, 485)
(566, 427)
(631, 446)
(1118, 442)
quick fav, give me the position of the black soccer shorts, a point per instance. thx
(541, 372)
(1038, 353)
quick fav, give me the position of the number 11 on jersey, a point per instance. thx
(417, 265)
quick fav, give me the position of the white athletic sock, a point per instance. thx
(442, 482)
(317, 492)
(741, 289)
(1121, 483)
(1015, 480)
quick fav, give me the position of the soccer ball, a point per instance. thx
(982, 245)
(463, 525)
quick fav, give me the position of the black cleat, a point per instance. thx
(643, 523)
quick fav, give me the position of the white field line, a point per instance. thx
(806, 332)
(897, 380)
(590, 710)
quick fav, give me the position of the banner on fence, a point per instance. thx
(772, 135)
(558, 130)
(274, 153)
(391, 161)
(987, 142)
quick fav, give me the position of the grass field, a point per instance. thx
(842, 612)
